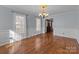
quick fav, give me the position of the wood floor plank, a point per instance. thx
(42, 44)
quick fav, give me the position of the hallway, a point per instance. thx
(42, 44)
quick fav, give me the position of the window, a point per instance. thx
(38, 24)
(19, 24)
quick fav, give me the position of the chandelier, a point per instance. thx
(43, 11)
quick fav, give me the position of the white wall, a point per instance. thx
(5, 19)
(66, 24)
(65, 20)
(31, 25)
(6, 24)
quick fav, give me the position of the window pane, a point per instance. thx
(20, 24)
(38, 24)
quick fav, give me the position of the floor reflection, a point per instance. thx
(37, 43)
(14, 47)
(43, 43)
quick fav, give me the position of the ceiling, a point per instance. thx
(34, 9)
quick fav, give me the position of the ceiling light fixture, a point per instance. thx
(43, 11)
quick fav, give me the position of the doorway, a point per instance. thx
(49, 25)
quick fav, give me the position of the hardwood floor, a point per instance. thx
(42, 44)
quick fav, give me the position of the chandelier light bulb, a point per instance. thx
(43, 11)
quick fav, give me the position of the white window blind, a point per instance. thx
(20, 22)
(38, 24)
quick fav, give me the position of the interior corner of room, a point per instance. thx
(18, 22)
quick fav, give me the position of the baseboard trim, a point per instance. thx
(8, 42)
(4, 43)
